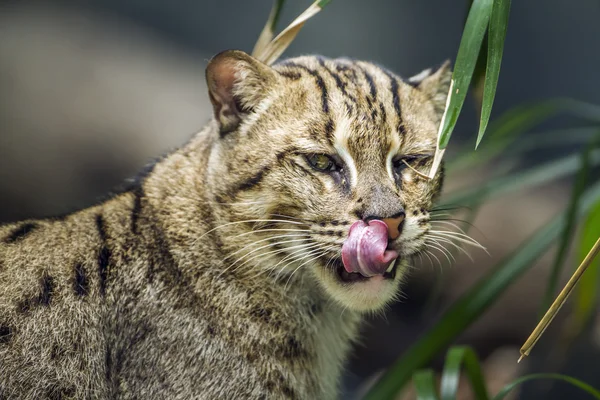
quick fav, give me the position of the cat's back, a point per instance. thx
(53, 276)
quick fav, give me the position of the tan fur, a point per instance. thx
(176, 288)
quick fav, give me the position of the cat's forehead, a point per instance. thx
(364, 108)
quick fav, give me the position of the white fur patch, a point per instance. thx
(341, 135)
(389, 162)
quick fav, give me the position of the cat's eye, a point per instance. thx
(321, 162)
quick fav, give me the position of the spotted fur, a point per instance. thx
(214, 275)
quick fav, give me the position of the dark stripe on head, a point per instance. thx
(80, 281)
(394, 87)
(259, 175)
(47, 289)
(252, 181)
(103, 254)
(318, 79)
(341, 67)
(373, 114)
(5, 335)
(329, 128)
(396, 97)
(345, 67)
(402, 129)
(371, 82)
(138, 194)
(290, 75)
(339, 83)
(383, 113)
(20, 232)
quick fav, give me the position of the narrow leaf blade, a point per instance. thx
(496, 35)
(456, 357)
(586, 294)
(468, 51)
(424, 382)
(573, 381)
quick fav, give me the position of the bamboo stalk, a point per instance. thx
(558, 303)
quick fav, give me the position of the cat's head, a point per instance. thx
(317, 170)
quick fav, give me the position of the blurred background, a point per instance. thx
(92, 90)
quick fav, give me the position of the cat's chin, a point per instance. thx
(356, 292)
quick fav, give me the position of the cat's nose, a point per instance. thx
(394, 225)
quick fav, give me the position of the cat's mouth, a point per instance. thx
(366, 254)
(353, 277)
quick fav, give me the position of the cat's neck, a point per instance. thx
(189, 220)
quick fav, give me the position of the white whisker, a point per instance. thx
(294, 218)
(263, 254)
(441, 249)
(304, 263)
(459, 237)
(247, 221)
(434, 256)
(451, 243)
(449, 223)
(270, 230)
(270, 238)
(298, 258)
(293, 254)
(428, 257)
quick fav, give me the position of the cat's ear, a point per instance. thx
(435, 83)
(237, 83)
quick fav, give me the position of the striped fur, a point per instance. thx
(212, 276)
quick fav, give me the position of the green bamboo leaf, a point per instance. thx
(573, 381)
(424, 382)
(468, 50)
(539, 175)
(452, 370)
(478, 78)
(586, 293)
(496, 35)
(473, 303)
(568, 232)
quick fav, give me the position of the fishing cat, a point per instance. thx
(239, 265)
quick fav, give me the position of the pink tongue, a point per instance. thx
(364, 251)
